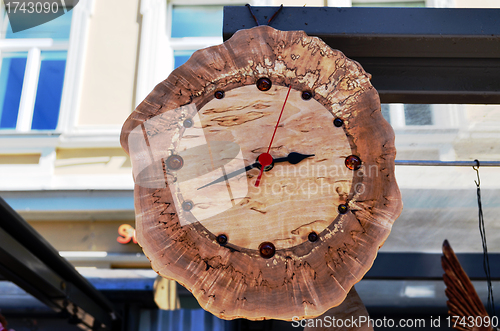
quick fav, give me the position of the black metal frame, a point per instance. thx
(427, 266)
(30, 262)
(415, 55)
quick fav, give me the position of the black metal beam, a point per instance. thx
(427, 266)
(29, 261)
(415, 55)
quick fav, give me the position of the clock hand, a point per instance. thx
(231, 175)
(292, 158)
(266, 159)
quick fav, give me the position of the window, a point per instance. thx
(399, 3)
(11, 84)
(386, 112)
(32, 69)
(196, 21)
(418, 115)
(403, 115)
(192, 28)
(189, 25)
(388, 3)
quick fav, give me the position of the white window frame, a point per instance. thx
(190, 43)
(447, 121)
(34, 47)
(75, 48)
(389, 1)
(41, 175)
(398, 119)
(428, 3)
(156, 58)
(445, 116)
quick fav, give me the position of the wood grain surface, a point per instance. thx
(465, 308)
(303, 279)
(292, 200)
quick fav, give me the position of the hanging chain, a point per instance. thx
(482, 232)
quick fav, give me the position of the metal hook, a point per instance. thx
(274, 15)
(476, 168)
(270, 20)
(251, 13)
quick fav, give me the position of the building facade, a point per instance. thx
(66, 88)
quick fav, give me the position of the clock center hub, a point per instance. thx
(265, 159)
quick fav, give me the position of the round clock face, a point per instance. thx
(264, 175)
(293, 202)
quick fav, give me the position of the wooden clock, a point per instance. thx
(264, 175)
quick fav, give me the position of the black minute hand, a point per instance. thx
(292, 158)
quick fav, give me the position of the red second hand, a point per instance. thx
(266, 159)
